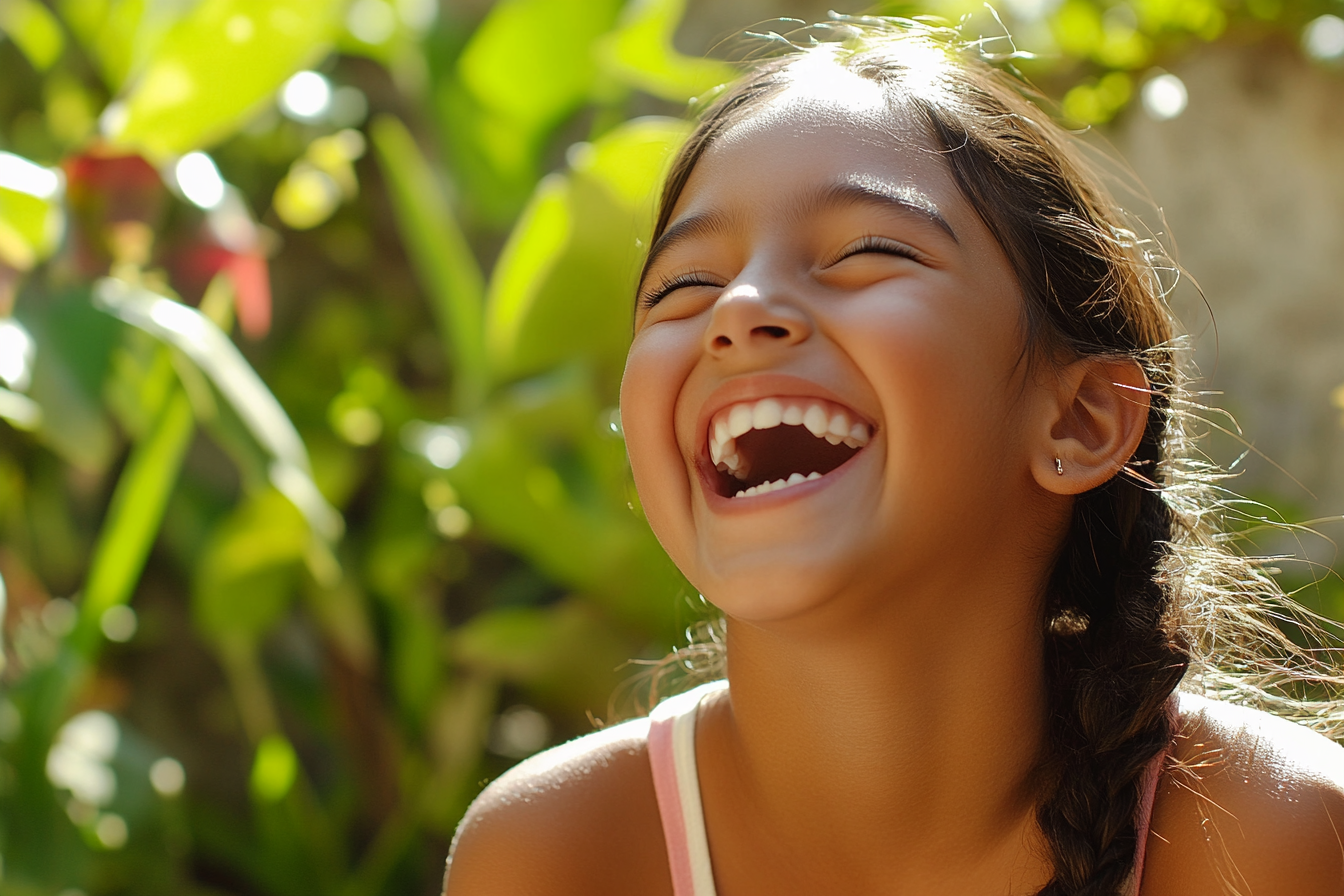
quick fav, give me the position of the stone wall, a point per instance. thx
(1251, 180)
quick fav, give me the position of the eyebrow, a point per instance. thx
(701, 225)
(870, 191)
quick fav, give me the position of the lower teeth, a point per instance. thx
(778, 484)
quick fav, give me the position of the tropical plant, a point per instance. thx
(314, 511)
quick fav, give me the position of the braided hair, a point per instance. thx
(1143, 590)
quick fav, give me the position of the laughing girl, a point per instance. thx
(904, 403)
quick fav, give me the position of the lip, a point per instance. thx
(720, 505)
(754, 388)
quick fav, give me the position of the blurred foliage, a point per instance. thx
(314, 511)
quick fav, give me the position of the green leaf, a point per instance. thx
(542, 479)
(74, 344)
(218, 358)
(31, 220)
(1123, 48)
(579, 236)
(631, 160)
(4, 603)
(533, 249)
(1097, 103)
(416, 658)
(135, 515)
(1077, 27)
(216, 66)
(640, 53)
(34, 30)
(274, 769)
(245, 579)
(438, 249)
(531, 61)
(565, 655)
(528, 66)
(19, 410)
(121, 35)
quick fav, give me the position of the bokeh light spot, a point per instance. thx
(1323, 38)
(1165, 97)
(452, 522)
(199, 180)
(372, 21)
(111, 831)
(306, 96)
(16, 355)
(119, 623)
(519, 731)
(167, 776)
(239, 29)
(59, 617)
(23, 176)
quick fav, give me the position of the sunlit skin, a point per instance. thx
(839, 595)
(884, 655)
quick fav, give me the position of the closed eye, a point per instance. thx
(879, 245)
(668, 285)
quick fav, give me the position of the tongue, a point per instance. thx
(780, 452)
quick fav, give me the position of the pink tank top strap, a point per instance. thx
(676, 783)
(1152, 777)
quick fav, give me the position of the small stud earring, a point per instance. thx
(1059, 466)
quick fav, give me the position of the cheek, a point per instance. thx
(655, 370)
(943, 368)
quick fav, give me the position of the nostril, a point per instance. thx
(722, 341)
(773, 332)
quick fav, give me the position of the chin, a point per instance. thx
(765, 592)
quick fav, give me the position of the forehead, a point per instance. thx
(828, 128)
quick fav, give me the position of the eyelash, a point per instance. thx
(667, 285)
(879, 244)
(871, 243)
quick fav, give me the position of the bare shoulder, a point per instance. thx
(1253, 805)
(580, 818)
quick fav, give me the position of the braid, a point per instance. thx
(1110, 669)
(1113, 651)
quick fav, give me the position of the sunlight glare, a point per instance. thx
(306, 96)
(22, 176)
(1165, 97)
(1323, 38)
(199, 180)
(16, 355)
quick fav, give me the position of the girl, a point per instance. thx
(903, 403)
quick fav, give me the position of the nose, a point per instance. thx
(745, 320)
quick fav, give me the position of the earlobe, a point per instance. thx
(1098, 416)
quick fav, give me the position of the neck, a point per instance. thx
(913, 736)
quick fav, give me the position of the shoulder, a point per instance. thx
(1252, 804)
(580, 818)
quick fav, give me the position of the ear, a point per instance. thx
(1097, 418)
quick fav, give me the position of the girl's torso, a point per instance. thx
(672, 759)
(1247, 801)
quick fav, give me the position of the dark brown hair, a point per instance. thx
(1142, 589)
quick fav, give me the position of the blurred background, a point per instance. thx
(314, 509)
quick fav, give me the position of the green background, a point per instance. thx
(314, 509)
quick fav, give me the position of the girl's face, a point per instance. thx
(822, 275)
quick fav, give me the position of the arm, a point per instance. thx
(580, 819)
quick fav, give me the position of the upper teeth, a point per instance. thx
(821, 418)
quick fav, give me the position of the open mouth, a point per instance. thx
(776, 443)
